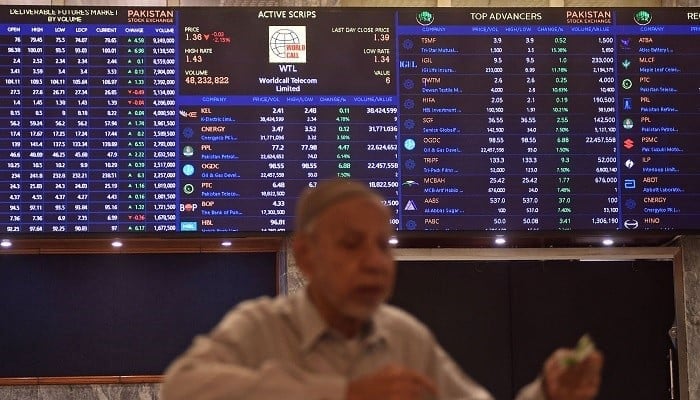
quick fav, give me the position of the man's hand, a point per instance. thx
(392, 382)
(578, 381)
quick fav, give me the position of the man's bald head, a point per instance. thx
(313, 201)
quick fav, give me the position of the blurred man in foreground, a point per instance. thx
(338, 340)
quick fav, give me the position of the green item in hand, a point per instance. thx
(584, 348)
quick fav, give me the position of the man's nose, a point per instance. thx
(377, 260)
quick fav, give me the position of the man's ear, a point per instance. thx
(301, 247)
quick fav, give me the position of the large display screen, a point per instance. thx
(158, 120)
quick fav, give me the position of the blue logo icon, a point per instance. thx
(625, 43)
(627, 103)
(409, 144)
(188, 169)
(188, 226)
(410, 206)
(630, 204)
(630, 183)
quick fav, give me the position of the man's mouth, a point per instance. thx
(370, 290)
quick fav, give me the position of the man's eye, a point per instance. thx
(384, 245)
(350, 244)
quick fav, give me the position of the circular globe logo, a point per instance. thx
(425, 18)
(642, 17)
(280, 39)
(409, 144)
(188, 169)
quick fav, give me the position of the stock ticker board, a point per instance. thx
(159, 120)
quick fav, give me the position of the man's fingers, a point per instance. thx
(564, 359)
(392, 382)
(571, 378)
(595, 359)
(589, 368)
(406, 375)
(423, 381)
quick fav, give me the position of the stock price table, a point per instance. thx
(158, 120)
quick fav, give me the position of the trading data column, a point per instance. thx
(508, 120)
(86, 91)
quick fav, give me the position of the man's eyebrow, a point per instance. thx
(351, 232)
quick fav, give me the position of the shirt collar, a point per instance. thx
(311, 325)
(312, 328)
